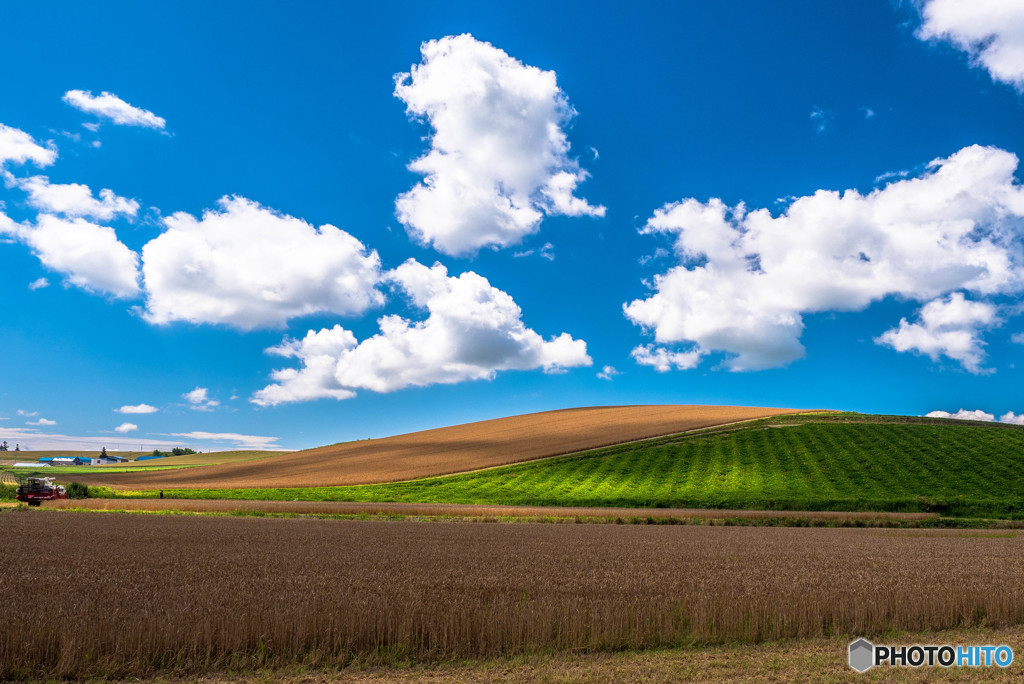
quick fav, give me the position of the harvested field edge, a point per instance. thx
(791, 660)
(415, 509)
(527, 514)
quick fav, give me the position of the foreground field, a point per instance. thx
(446, 450)
(186, 595)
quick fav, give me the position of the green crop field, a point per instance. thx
(838, 462)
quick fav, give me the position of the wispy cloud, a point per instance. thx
(110, 106)
(240, 441)
(821, 119)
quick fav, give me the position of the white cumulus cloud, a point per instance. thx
(499, 156)
(1012, 418)
(607, 373)
(39, 284)
(19, 147)
(41, 422)
(137, 408)
(963, 414)
(90, 256)
(124, 428)
(664, 360)
(74, 199)
(199, 399)
(472, 331)
(249, 266)
(990, 31)
(110, 106)
(744, 279)
(948, 327)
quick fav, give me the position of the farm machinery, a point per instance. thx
(35, 490)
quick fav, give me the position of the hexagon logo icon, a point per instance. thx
(862, 654)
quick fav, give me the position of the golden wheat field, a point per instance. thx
(397, 508)
(447, 450)
(123, 595)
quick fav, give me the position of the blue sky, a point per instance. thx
(265, 225)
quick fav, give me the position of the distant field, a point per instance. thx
(301, 594)
(845, 462)
(167, 463)
(211, 458)
(441, 451)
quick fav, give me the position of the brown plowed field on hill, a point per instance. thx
(443, 451)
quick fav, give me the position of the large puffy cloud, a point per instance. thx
(90, 256)
(74, 199)
(111, 107)
(19, 147)
(948, 327)
(499, 156)
(746, 278)
(990, 31)
(473, 330)
(248, 266)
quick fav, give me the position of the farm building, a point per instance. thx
(65, 460)
(148, 458)
(77, 460)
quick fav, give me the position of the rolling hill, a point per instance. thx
(837, 462)
(442, 451)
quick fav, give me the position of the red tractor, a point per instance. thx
(35, 490)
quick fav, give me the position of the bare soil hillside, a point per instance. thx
(443, 451)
